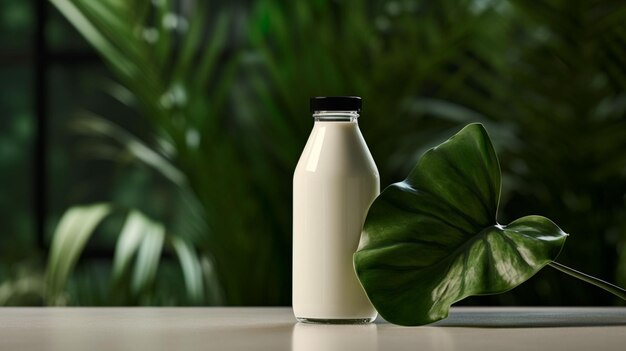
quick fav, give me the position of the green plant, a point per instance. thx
(400, 57)
(433, 239)
(164, 68)
(568, 81)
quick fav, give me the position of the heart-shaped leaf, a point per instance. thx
(433, 239)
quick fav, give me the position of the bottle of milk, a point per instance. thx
(334, 184)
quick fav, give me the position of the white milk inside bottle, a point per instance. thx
(334, 184)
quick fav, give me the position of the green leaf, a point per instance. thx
(192, 269)
(433, 239)
(129, 240)
(214, 292)
(148, 257)
(70, 237)
(75, 13)
(95, 126)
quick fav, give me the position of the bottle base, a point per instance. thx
(336, 320)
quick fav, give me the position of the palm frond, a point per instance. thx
(70, 237)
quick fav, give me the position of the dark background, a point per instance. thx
(184, 121)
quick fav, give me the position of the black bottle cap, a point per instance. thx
(335, 103)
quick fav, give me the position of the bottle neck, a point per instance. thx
(335, 116)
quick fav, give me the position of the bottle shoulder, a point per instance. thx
(337, 149)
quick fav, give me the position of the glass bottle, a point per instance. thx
(334, 184)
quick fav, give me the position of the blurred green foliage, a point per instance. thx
(187, 161)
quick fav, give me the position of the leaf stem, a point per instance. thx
(613, 289)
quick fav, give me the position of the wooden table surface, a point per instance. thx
(466, 329)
